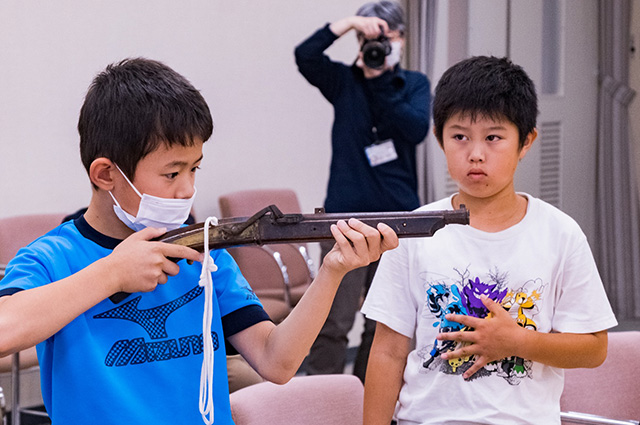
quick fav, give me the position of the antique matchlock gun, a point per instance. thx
(271, 226)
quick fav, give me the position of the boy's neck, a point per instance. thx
(101, 217)
(493, 214)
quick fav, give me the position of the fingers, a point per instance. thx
(146, 263)
(384, 25)
(492, 306)
(468, 321)
(371, 27)
(389, 237)
(476, 366)
(363, 239)
(148, 233)
(369, 239)
(170, 267)
(180, 251)
(352, 243)
(469, 353)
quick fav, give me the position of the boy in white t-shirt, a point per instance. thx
(496, 309)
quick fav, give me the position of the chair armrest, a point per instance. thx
(587, 418)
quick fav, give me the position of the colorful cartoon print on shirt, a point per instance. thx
(462, 296)
(475, 288)
(525, 301)
(442, 300)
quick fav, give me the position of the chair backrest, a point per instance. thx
(295, 266)
(308, 400)
(265, 277)
(248, 202)
(19, 231)
(15, 233)
(611, 390)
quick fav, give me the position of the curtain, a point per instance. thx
(420, 50)
(617, 217)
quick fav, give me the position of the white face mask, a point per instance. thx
(154, 211)
(393, 58)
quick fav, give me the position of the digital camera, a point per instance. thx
(375, 50)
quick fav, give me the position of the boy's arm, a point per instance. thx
(136, 265)
(499, 336)
(384, 379)
(276, 352)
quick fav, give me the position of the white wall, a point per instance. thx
(272, 129)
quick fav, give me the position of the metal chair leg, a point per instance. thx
(3, 408)
(16, 410)
(15, 389)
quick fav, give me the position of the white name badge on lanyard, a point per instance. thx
(381, 152)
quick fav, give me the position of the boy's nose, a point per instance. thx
(186, 191)
(477, 153)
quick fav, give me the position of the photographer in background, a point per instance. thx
(381, 115)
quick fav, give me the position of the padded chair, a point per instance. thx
(278, 273)
(16, 232)
(610, 393)
(319, 399)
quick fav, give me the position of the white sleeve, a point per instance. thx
(582, 305)
(389, 300)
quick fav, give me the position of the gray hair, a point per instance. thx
(390, 11)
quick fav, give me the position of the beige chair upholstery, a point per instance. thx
(280, 273)
(319, 400)
(19, 231)
(16, 232)
(610, 391)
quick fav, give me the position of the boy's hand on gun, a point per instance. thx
(139, 264)
(492, 338)
(358, 245)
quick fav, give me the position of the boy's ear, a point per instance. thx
(528, 142)
(101, 173)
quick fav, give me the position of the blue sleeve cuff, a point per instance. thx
(240, 320)
(9, 291)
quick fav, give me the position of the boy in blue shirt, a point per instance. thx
(496, 309)
(108, 360)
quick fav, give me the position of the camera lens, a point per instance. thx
(373, 54)
(375, 51)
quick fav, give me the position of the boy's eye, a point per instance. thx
(172, 175)
(193, 170)
(493, 138)
(459, 137)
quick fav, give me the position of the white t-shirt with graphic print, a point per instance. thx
(541, 270)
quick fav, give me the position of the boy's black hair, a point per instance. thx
(133, 106)
(486, 86)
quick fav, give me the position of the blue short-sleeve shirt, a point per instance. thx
(134, 360)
